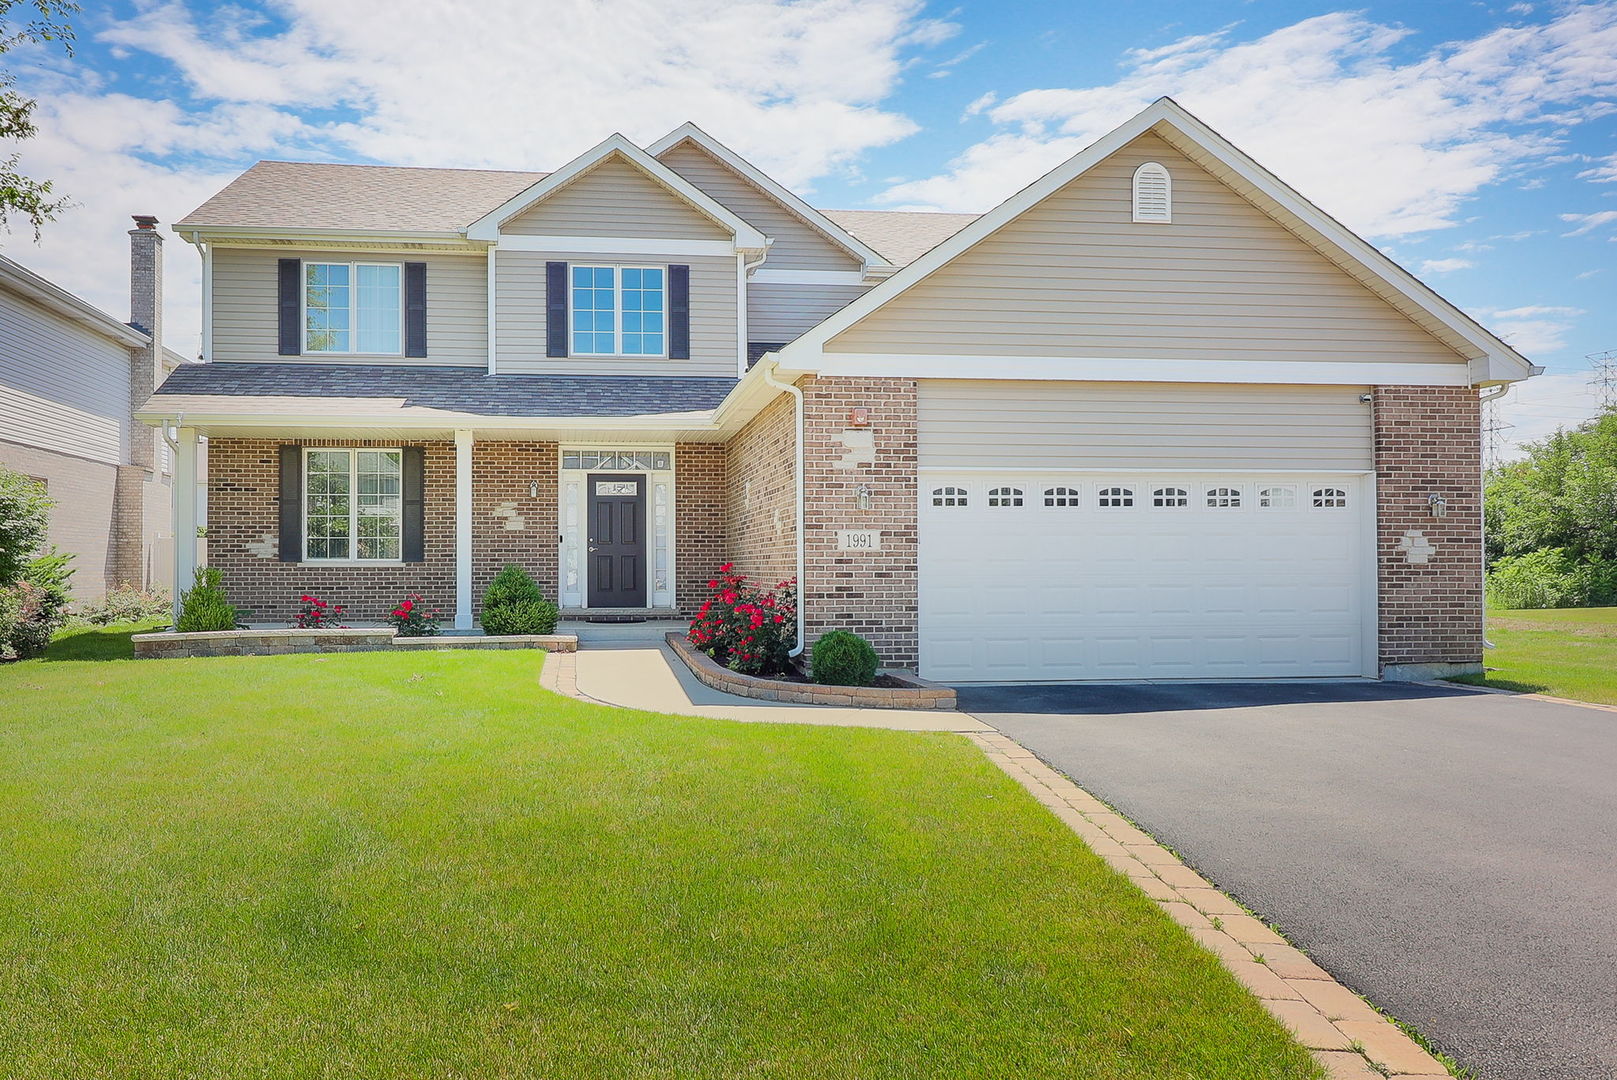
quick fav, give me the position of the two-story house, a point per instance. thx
(1154, 416)
(71, 377)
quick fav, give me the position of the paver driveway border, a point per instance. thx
(1349, 1038)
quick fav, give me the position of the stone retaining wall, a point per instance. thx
(919, 694)
(166, 645)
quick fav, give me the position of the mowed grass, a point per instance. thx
(1564, 652)
(423, 865)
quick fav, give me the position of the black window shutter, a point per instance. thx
(291, 307)
(415, 518)
(555, 309)
(291, 546)
(679, 313)
(415, 309)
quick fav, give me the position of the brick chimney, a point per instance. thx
(145, 315)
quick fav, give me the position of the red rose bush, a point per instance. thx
(747, 628)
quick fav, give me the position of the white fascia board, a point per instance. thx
(1137, 369)
(1505, 363)
(247, 235)
(17, 278)
(487, 227)
(867, 255)
(614, 245)
(809, 277)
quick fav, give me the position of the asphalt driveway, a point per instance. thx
(1451, 855)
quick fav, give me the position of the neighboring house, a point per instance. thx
(1155, 416)
(70, 378)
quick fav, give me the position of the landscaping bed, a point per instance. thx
(895, 689)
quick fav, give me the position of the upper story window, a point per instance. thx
(1153, 193)
(353, 505)
(353, 308)
(618, 311)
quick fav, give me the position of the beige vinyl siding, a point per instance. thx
(63, 387)
(780, 312)
(520, 316)
(1075, 276)
(246, 305)
(616, 199)
(798, 245)
(1078, 425)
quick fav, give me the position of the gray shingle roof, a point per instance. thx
(395, 390)
(901, 235)
(313, 195)
(384, 198)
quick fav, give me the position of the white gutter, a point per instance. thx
(797, 398)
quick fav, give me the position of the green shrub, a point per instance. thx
(27, 622)
(126, 604)
(843, 658)
(1551, 578)
(514, 604)
(50, 574)
(204, 607)
(25, 512)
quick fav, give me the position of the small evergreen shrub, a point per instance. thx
(843, 658)
(1551, 578)
(514, 604)
(204, 607)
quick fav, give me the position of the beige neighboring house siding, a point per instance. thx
(615, 199)
(246, 305)
(1077, 425)
(63, 387)
(1075, 276)
(781, 313)
(797, 244)
(520, 316)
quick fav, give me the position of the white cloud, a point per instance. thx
(797, 85)
(1587, 274)
(1604, 173)
(1588, 222)
(1390, 146)
(1533, 310)
(1535, 330)
(1444, 266)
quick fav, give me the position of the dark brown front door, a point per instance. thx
(617, 541)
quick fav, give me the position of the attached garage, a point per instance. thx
(1144, 531)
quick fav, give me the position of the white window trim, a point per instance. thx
(353, 506)
(617, 311)
(1166, 218)
(353, 311)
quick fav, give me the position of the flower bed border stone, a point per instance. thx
(917, 694)
(166, 644)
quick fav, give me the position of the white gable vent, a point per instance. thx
(1153, 193)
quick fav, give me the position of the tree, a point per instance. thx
(33, 199)
(25, 515)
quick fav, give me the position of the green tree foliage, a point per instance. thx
(1553, 515)
(25, 515)
(27, 22)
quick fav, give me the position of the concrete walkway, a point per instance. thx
(642, 675)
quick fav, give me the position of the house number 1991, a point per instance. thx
(858, 540)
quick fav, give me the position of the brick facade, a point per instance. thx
(871, 593)
(760, 506)
(699, 526)
(514, 512)
(244, 538)
(1428, 441)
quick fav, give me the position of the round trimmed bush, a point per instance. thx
(843, 658)
(514, 604)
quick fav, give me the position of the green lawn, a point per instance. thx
(1565, 652)
(422, 865)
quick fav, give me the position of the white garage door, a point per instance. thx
(1029, 577)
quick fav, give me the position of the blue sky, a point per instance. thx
(1475, 142)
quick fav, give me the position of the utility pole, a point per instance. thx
(1494, 427)
(1603, 377)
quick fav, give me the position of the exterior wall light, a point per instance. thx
(533, 489)
(859, 417)
(1439, 505)
(862, 497)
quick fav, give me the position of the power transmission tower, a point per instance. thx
(1603, 377)
(1494, 427)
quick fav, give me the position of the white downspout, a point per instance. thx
(1486, 396)
(747, 266)
(797, 398)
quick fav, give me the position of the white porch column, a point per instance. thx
(463, 530)
(183, 495)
